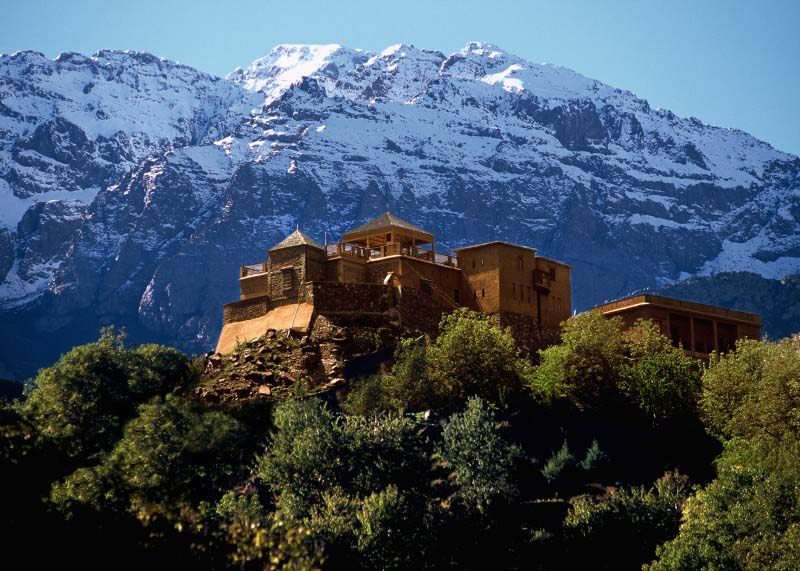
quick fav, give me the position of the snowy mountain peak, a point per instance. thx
(286, 64)
(166, 179)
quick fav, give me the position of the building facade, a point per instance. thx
(696, 327)
(397, 262)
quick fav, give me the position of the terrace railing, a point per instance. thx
(376, 252)
(253, 269)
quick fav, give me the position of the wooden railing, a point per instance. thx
(375, 252)
(346, 250)
(253, 269)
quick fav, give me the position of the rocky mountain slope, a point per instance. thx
(158, 181)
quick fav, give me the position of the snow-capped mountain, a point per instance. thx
(165, 179)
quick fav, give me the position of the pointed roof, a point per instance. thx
(296, 238)
(387, 222)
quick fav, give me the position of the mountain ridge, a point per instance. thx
(210, 172)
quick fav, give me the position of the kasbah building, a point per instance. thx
(389, 271)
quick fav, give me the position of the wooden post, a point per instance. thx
(716, 336)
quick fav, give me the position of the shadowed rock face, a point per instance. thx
(201, 175)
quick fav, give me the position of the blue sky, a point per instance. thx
(730, 63)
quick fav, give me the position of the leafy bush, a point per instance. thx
(561, 459)
(479, 457)
(82, 402)
(749, 517)
(170, 457)
(644, 517)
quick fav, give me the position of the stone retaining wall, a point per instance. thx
(420, 310)
(246, 309)
(526, 330)
(329, 297)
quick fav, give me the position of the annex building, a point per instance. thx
(389, 268)
(697, 327)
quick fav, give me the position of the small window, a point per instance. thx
(483, 293)
(474, 295)
(457, 295)
(520, 263)
(287, 279)
(473, 262)
(481, 260)
(552, 274)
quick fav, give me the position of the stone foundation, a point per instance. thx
(246, 309)
(525, 329)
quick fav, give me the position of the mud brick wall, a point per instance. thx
(245, 309)
(525, 330)
(330, 297)
(420, 310)
(254, 286)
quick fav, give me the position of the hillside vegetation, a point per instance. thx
(612, 451)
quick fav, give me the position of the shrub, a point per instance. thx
(587, 363)
(560, 459)
(82, 402)
(470, 357)
(643, 517)
(478, 456)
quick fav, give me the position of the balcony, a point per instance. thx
(391, 249)
(541, 280)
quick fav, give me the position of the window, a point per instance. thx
(483, 293)
(473, 262)
(529, 294)
(481, 260)
(520, 263)
(287, 279)
(552, 274)
(457, 295)
(474, 295)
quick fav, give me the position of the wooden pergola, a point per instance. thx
(388, 229)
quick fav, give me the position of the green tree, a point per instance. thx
(471, 357)
(359, 483)
(746, 519)
(664, 385)
(749, 516)
(479, 458)
(586, 365)
(82, 402)
(313, 450)
(753, 394)
(171, 457)
(645, 518)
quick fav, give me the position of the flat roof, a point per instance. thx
(680, 305)
(494, 243)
